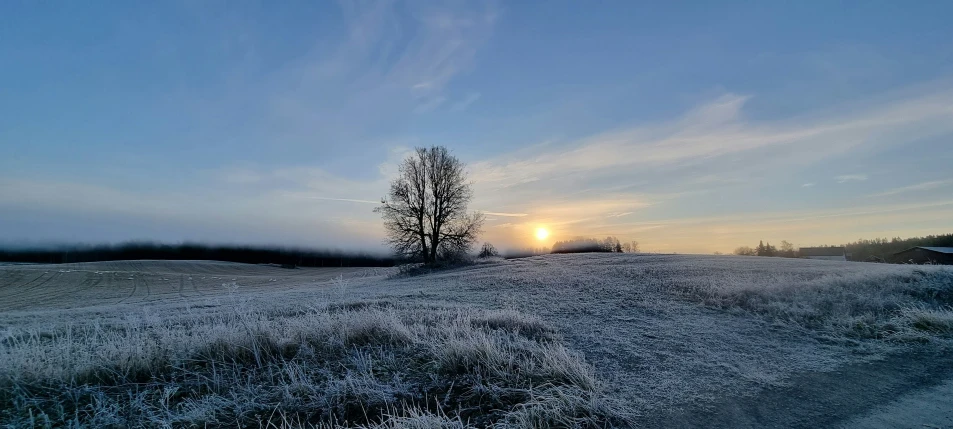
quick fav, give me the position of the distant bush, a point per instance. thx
(488, 251)
(745, 251)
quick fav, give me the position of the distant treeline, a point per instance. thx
(876, 250)
(882, 249)
(586, 244)
(576, 245)
(244, 254)
(787, 250)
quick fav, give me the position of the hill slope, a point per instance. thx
(699, 340)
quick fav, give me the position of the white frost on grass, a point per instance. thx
(687, 329)
(659, 331)
(338, 365)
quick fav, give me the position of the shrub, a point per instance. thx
(488, 251)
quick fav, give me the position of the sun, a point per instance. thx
(541, 233)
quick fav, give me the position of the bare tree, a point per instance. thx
(787, 249)
(425, 213)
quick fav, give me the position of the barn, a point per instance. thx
(825, 253)
(925, 255)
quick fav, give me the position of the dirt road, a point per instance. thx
(907, 390)
(929, 408)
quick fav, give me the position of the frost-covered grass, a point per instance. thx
(672, 331)
(419, 269)
(902, 303)
(659, 333)
(854, 300)
(364, 363)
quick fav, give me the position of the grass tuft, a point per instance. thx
(935, 321)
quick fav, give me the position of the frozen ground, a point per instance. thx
(689, 341)
(34, 287)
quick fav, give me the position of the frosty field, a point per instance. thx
(141, 282)
(598, 340)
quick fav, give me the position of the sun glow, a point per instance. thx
(541, 233)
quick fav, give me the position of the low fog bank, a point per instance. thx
(250, 254)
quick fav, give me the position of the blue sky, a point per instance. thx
(690, 127)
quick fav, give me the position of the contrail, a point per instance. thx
(334, 199)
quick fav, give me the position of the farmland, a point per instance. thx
(144, 282)
(557, 340)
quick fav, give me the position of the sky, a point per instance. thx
(691, 127)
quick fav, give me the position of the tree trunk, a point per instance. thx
(423, 240)
(434, 244)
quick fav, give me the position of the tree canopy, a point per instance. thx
(425, 213)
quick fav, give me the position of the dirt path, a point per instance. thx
(911, 389)
(929, 408)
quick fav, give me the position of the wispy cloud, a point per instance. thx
(392, 61)
(505, 214)
(239, 176)
(805, 227)
(319, 181)
(851, 178)
(652, 169)
(925, 186)
(462, 105)
(429, 104)
(716, 132)
(349, 200)
(798, 215)
(313, 134)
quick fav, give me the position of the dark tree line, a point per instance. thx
(243, 254)
(882, 249)
(875, 250)
(785, 250)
